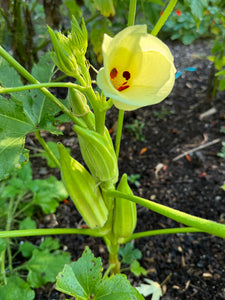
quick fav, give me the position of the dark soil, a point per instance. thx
(191, 184)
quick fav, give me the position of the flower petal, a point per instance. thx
(138, 69)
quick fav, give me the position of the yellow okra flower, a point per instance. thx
(138, 68)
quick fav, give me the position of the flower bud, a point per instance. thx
(63, 57)
(80, 108)
(69, 55)
(98, 153)
(83, 190)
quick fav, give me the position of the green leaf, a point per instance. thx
(10, 78)
(36, 104)
(136, 268)
(129, 254)
(187, 39)
(50, 244)
(117, 287)
(26, 248)
(25, 174)
(197, 9)
(73, 9)
(14, 126)
(27, 223)
(222, 84)
(48, 193)
(152, 288)
(81, 277)
(16, 288)
(44, 266)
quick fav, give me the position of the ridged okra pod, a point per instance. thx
(98, 153)
(125, 212)
(83, 190)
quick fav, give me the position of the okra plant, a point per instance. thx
(138, 70)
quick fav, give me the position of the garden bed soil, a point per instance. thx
(192, 183)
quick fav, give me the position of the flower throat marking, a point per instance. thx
(115, 80)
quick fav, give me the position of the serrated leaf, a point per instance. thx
(69, 284)
(48, 193)
(27, 223)
(44, 266)
(137, 269)
(117, 287)
(81, 277)
(16, 288)
(129, 254)
(152, 288)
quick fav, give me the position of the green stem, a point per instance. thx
(113, 248)
(8, 227)
(139, 235)
(119, 132)
(132, 11)
(4, 90)
(100, 121)
(98, 110)
(205, 225)
(164, 17)
(47, 149)
(31, 79)
(23, 209)
(2, 262)
(130, 22)
(49, 231)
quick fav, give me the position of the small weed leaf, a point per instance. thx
(16, 288)
(129, 254)
(44, 266)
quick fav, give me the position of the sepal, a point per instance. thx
(80, 108)
(125, 212)
(98, 153)
(83, 190)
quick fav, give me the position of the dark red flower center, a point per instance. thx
(117, 79)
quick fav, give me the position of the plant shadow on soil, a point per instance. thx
(191, 184)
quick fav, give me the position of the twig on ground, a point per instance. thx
(197, 148)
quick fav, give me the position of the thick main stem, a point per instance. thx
(111, 240)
